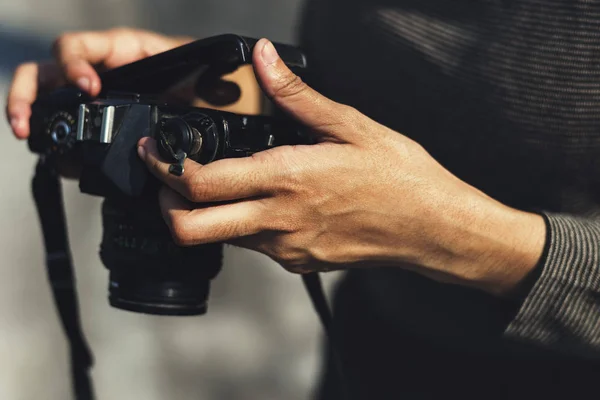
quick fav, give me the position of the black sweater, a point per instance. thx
(506, 95)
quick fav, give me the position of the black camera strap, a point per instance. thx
(314, 287)
(47, 193)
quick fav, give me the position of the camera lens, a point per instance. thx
(148, 272)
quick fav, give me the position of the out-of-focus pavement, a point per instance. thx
(260, 339)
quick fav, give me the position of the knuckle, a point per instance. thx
(289, 85)
(281, 166)
(265, 160)
(349, 112)
(349, 119)
(286, 250)
(321, 254)
(287, 257)
(197, 188)
(348, 115)
(61, 42)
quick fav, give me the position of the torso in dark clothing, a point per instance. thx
(506, 95)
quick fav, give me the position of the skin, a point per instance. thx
(363, 195)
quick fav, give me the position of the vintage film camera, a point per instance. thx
(98, 137)
(148, 272)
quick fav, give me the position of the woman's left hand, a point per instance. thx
(363, 195)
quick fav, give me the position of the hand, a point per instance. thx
(363, 195)
(79, 55)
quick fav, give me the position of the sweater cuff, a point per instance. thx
(562, 309)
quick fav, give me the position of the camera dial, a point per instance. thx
(192, 136)
(60, 130)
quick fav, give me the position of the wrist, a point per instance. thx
(493, 247)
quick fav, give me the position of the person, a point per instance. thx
(455, 176)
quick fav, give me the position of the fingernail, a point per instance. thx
(141, 152)
(84, 84)
(269, 54)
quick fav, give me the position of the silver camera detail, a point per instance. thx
(106, 128)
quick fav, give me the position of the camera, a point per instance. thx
(149, 273)
(97, 138)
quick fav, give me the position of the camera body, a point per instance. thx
(101, 135)
(148, 272)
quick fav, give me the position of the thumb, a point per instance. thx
(330, 120)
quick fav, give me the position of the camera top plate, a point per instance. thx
(215, 56)
(147, 79)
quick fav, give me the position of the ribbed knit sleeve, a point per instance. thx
(562, 310)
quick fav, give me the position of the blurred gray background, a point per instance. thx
(260, 339)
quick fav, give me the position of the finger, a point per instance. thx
(292, 95)
(190, 227)
(77, 52)
(29, 79)
(227, 179)
(21, 96)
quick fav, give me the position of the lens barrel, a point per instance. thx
(149, 273)
(157, 291)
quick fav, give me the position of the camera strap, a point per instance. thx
(48, 197)
(314, 287)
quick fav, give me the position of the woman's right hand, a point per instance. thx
(77, 57)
